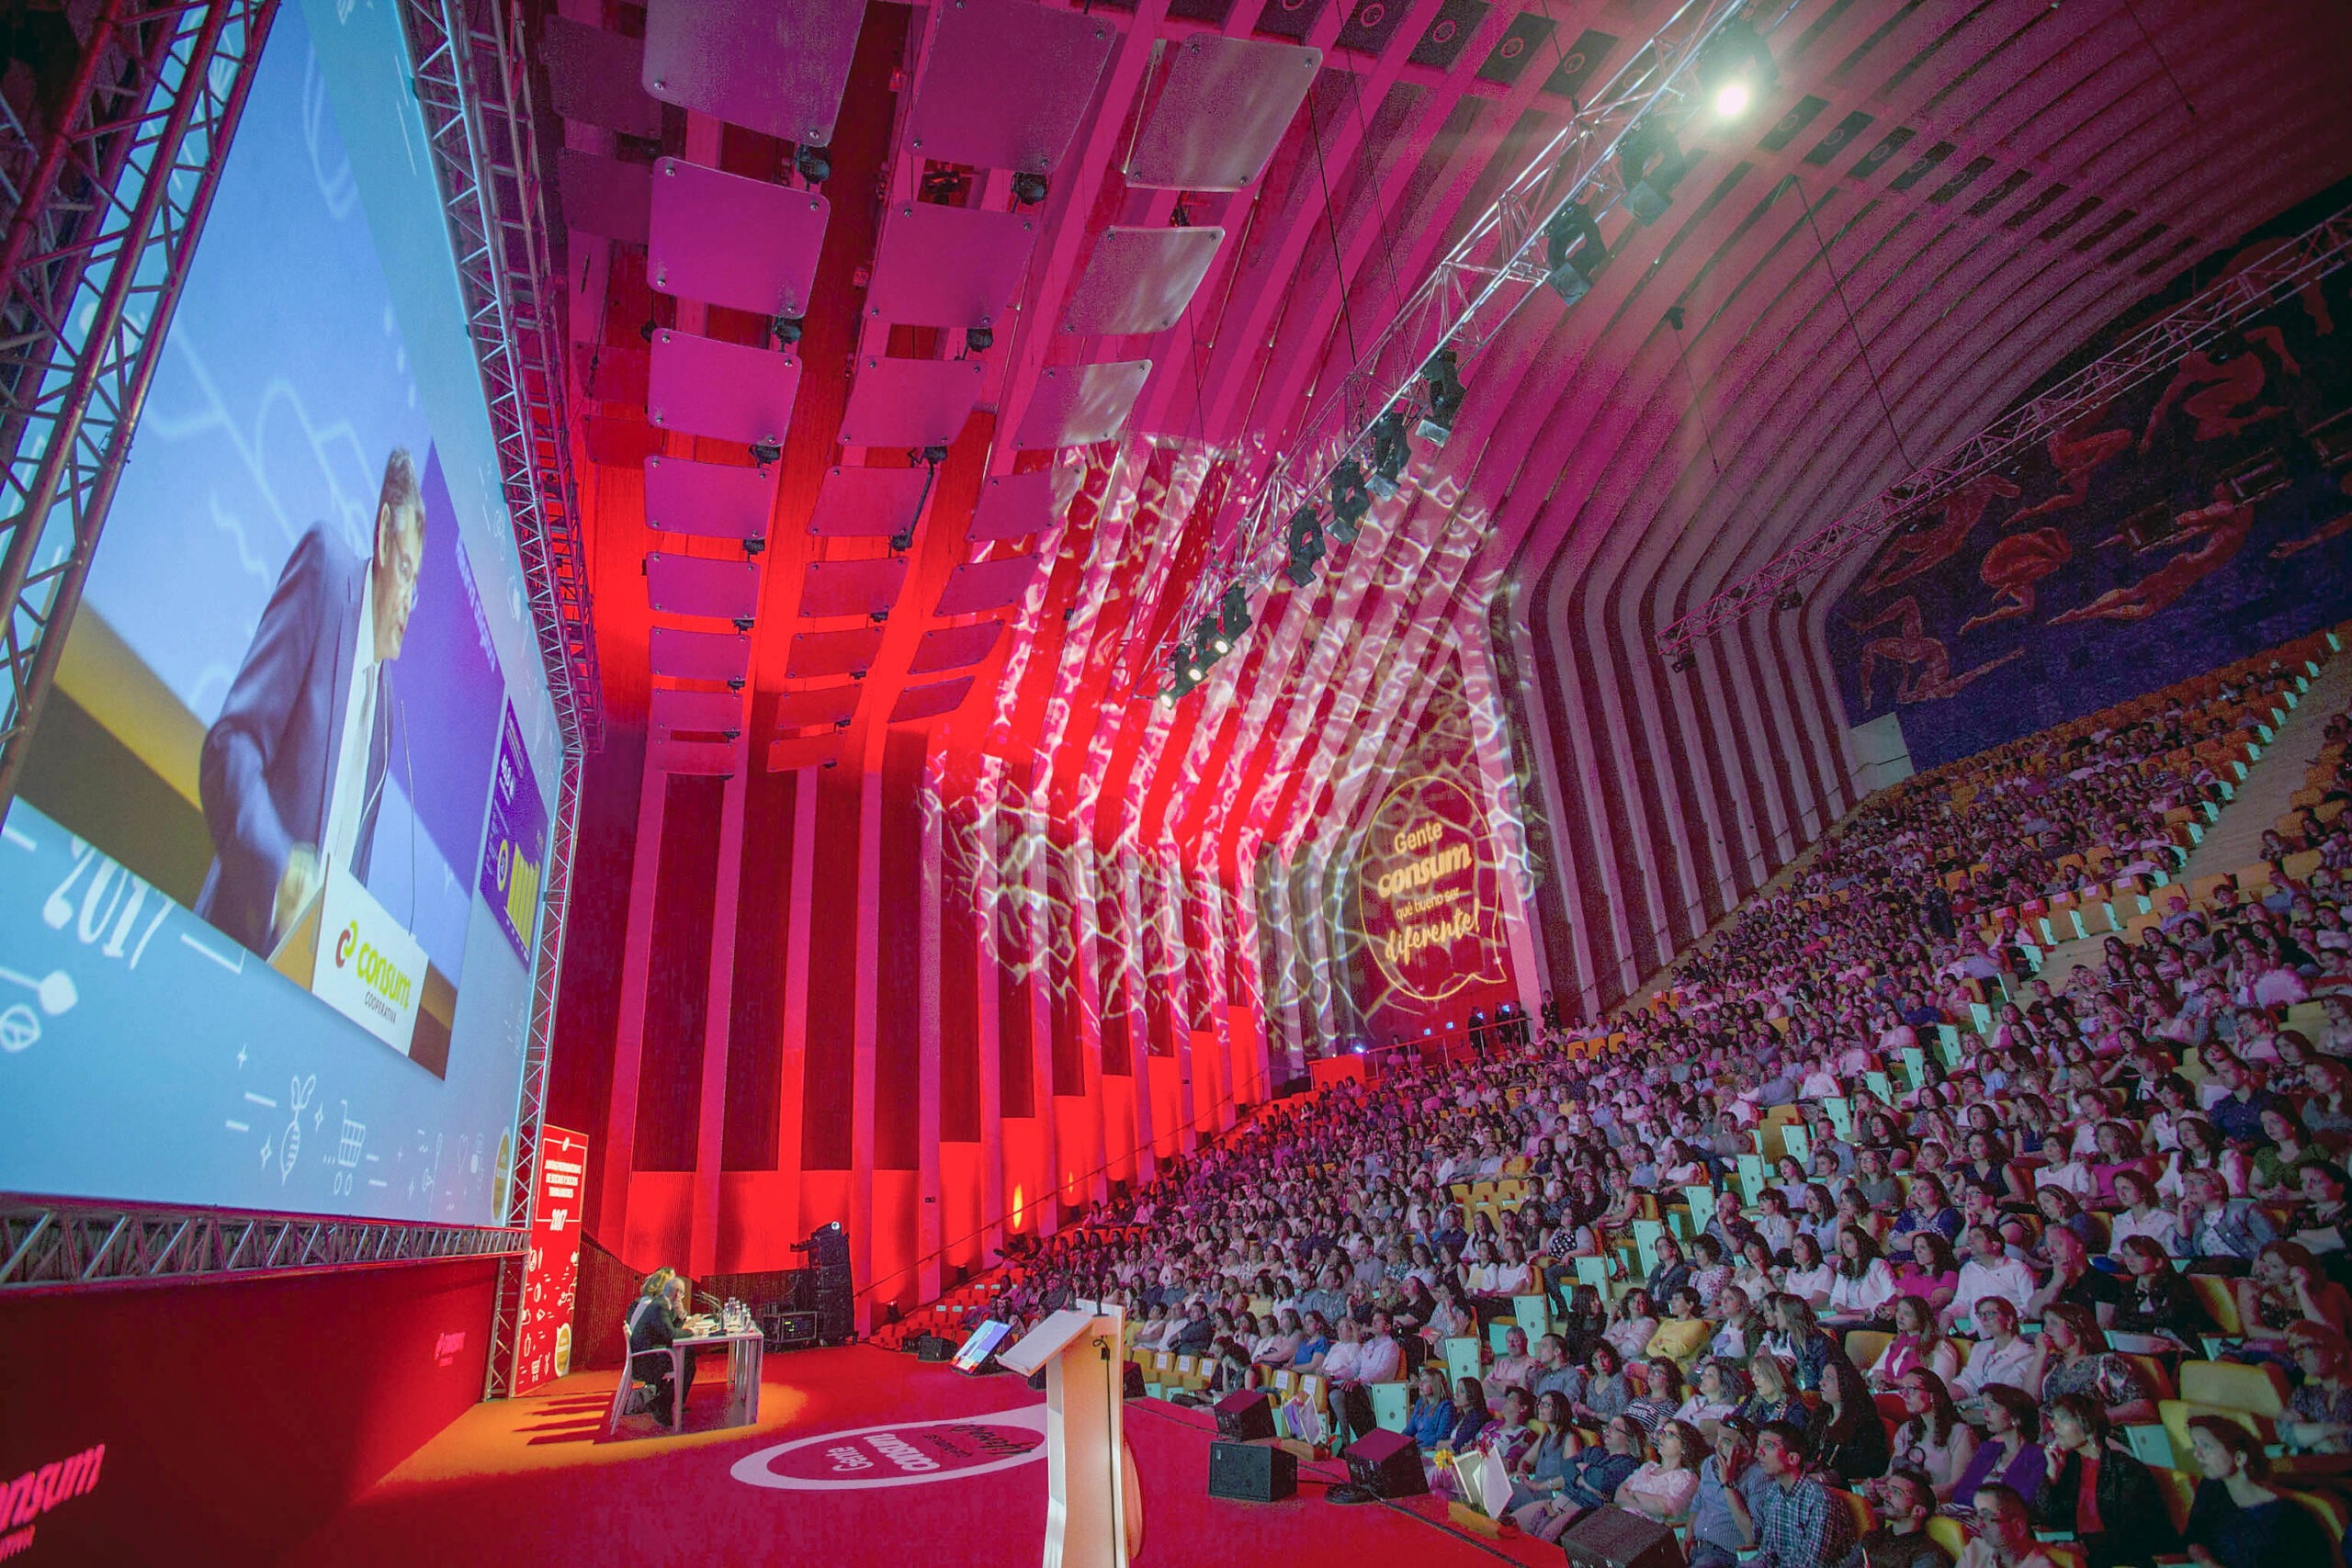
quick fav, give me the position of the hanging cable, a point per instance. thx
(1855, 326)
(2149, 39)
(1332, 227)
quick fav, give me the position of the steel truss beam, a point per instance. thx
(475, 92)
(2271, 281)
(61, 1246)
(97, 249)
(1471, 295)
(474, 89)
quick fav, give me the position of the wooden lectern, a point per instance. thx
(1093, 1504)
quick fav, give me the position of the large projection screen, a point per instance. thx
(269, 892)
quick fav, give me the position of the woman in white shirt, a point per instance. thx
(1865, 1282)
(1808, 1278)
(2141, 1215)
(1513, 1276)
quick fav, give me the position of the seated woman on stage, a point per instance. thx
(657, 1317)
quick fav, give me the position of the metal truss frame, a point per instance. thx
(1471, 295)
(474, 87)
(58, 1245)
(2269, 281)
(96, 251)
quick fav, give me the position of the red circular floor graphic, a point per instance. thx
(899, 1453)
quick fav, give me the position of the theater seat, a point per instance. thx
(2176, 1414)
(2234, 1385)
(2221, 1303)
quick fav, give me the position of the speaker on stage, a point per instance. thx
(1244, 1417)
(1251, 1472)
(931, 1348)
(1386, 1464)
(1615, 1537)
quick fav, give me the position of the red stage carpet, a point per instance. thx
(532, 1481)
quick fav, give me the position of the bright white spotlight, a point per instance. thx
(1731, 100)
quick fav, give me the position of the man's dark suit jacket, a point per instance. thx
(269, 759)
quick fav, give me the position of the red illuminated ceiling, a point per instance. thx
(1992, 182)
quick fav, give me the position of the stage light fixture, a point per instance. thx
(1180, 678)
(765, 452)
(1390, 452)
(786, 330)
(754, 545)
(1573, 251)
(1028, 190)
(1683, 662)
(1735, 69)
(743, 624)
(734, 683)
(1306, 547)
(978, 339)
(1445, 389)
(1351, 499)
(1791, 599)
(1651, 163)
(814, 166)
(1233, 614)
(1210, 635)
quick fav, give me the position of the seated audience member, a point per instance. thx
(2073, 1360)
(2319, 1417)
(1739, 1331)
(1713, 1538)
(1513, 1367)
(1592, 1481)
(1431, 1420)
(1795, 1523)
(1541, 1469)
(1865, 1284)
(1808, 1276)
(1775, 1397)
(1684, 1334)
(2001, 1355)
(2159, 1303)
(2097, 1490)
(2287, 1286)
(1714, 1393)
(2237, 1520)
(1917, 1342)
(1844, 1434)
(1663, 1488)
(1927, 1269)
(1631, 1325)
(2010, 1453)
(1933, 1441)
(2073, 1280)
(1607, 1391)
(1990, 1271)
(2004, 1537)
(1905, 1501)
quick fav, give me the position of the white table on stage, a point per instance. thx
(744, 1353)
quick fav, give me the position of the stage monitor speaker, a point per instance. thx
(931, 1348)
(1250, 1472)
(1386, 1464)
(1244, 1417)
(1614, 1538)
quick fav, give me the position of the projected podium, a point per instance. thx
(1094, 1502)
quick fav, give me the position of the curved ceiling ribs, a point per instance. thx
(1984, 184)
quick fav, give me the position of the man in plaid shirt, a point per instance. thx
(1795, 1522)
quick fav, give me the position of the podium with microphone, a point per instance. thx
(1093, 1497)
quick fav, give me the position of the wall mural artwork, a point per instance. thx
(2196, 518)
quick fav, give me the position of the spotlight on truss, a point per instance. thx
(1573, 251)
(1233, 614)
(1028, 190)
(1445, 378)
(1735, 69)
(1791, 599)
(1306, 547)
(1351, 498)
(1390, 452)
(1651, 163)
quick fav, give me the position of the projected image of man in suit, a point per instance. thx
(293, 771)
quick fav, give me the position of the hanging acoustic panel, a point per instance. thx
(952, 647)
(727, 240)
(986, 585)
(865, 503)
(833, 653)
(774, 65)
(596, 76)
(709, 713)
(948, 266)
(852, 587)
(788, 754)
(697, 585)
(604, 196)
(825, 704)
(1007, 83)
(930, 702)
(1074, 405)
(716, 501)
(1223, 111)
(1139, 280)
(700, 656)
(728, 391)
(910, 402)
(1013, 506)
(715, 758)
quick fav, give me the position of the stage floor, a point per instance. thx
(840, 1469)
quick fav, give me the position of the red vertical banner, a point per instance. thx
(551, 1275)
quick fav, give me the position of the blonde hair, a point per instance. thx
(658, 1282)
